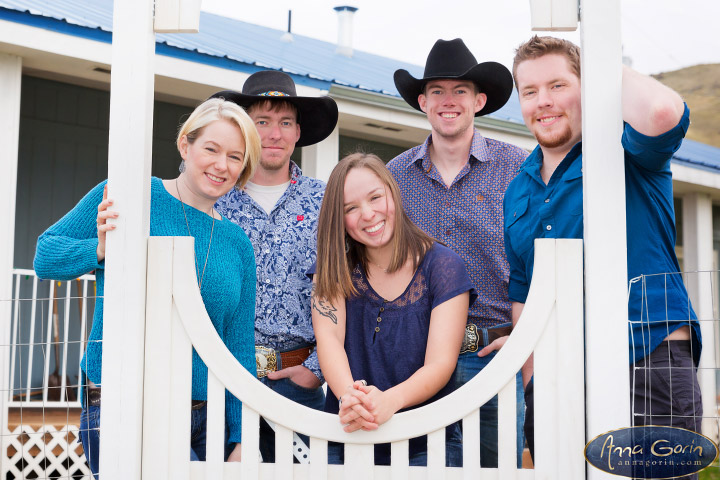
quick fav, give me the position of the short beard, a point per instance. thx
(272, 167)
(556, 141)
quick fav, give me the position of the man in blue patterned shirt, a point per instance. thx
(452, 187)
(278, 209)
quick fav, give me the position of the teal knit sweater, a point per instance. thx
(68, 249)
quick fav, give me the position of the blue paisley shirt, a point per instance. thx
(285, 247)
(467, 216)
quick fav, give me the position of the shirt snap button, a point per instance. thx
(549, 227)
(547, 200)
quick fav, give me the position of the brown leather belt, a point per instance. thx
(266, 359)
(94, 395)
(475, 338)
(295, 357)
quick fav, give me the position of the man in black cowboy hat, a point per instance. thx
(452, 187)
(278, 209)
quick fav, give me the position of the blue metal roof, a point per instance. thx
(698, 155)
(242, 46)
(235, 45)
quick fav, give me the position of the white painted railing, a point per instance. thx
(42, 329)
(551, 325)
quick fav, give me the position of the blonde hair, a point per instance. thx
(338, 253)
(219, 109)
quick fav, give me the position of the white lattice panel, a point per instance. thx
(44, 454)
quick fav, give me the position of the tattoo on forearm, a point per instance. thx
(324, 308)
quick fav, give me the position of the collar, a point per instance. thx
(569, 169)
(295, 173)
(478, 152)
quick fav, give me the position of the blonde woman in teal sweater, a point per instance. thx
(220, 148)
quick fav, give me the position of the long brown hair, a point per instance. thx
(338, 253)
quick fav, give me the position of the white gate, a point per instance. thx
(551, 325)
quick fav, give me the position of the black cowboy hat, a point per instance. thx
(452, 59)
(317, 116)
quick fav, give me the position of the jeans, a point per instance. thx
(310, 397)
(453, 451)
(469, 365)
(90, 436)
(198, 435)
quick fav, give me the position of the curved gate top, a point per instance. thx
(177, 322)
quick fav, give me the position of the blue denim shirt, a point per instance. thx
(285, 244)
(535, 210)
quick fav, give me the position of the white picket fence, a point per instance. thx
(551, 325)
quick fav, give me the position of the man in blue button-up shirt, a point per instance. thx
(278, 210)
(452, 187)
(545, 201)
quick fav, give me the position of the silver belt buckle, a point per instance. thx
(265, 360)
(471, 340)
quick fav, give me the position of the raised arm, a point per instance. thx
(69, 248)
(447, 327)
(648, 106)
(328, 317)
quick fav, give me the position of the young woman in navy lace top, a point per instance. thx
(389, 306)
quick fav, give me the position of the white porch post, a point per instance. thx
(606, 311)
(129, 152)
(698, 257)
(10, 79)
(319, 160)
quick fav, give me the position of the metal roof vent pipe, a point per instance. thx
(345, 30)
(287, 36)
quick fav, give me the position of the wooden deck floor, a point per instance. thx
(37, 417)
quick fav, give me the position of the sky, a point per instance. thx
(658, 35)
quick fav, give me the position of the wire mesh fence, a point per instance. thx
(674, 376)
(44, 340)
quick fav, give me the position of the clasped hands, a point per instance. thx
(366, 407)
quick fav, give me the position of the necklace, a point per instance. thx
(381, 268)
(207, 255)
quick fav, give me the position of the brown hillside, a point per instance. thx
(700, 87)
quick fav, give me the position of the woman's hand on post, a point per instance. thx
(102, 226)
